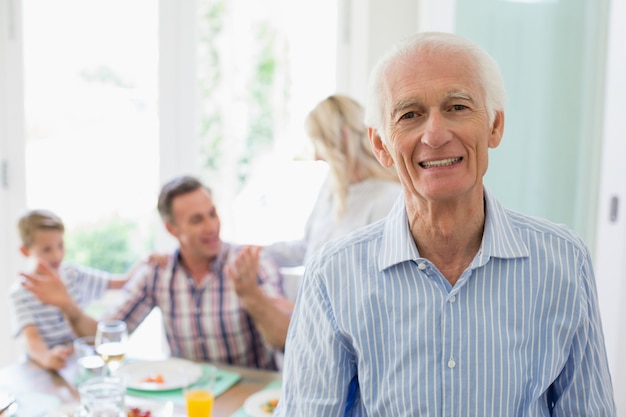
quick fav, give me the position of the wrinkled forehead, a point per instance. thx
(424, 70)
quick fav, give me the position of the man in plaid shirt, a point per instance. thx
(220, 302)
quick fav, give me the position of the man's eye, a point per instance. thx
(458, 107)
(409, 115)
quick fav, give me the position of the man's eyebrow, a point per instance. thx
(402, 105)
(410, 102)
(460, 95)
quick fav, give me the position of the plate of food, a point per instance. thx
(145, 408)
(262, 403)
(134, 408)
(163, 375)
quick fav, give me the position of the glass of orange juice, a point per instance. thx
(199, 395)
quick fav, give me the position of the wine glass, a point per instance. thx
(111, 341)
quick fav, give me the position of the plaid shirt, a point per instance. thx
(205, 322)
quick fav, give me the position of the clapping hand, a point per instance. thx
(243, 271)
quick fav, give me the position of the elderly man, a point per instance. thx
(452, 305)
(220, 302)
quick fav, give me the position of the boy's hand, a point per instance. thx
(46, 285)
(57, 356)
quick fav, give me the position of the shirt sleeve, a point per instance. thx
(138, 298)
(288, 253)
(22, 307)
(319, 375)
(584, 387)
(86, 284)
(294, 252)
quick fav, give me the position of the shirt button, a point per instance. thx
(421, 266)
(451, 363)
(452, 298)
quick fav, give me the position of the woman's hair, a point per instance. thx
(485, 68)
(339, 134)
(174, 188)
(35, 220)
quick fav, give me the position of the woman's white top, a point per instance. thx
(366, 202)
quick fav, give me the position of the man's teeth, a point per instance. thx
(440, 163)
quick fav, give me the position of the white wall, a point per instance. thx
(610, 262)
(367, 28)
(177, 96)
(12, 193)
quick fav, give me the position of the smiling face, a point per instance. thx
(437, 130)
(196, 224)
(47, 247)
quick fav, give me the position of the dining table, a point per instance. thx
(27, 376)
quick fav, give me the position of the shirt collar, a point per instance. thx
(216, 266)
(501, 239)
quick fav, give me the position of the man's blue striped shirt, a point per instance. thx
(378, 330)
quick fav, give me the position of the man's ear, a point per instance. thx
(171, 229)
(24, 251)
(379, 148)
(497, 130)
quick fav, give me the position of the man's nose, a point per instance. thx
(436, 132)
(211, 224)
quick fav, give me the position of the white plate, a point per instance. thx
(253, 406)
(175, 372)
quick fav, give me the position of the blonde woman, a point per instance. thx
(358, 190)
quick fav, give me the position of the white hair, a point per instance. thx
(488, 72)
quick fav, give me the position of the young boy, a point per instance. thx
(47, 335)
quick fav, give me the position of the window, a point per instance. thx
(91, 123)
(258, 74)
(92, 116)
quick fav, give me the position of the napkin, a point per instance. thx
(242, 413)
(223, 381)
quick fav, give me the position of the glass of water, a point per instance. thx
(102, 396)
(88, 363)
(111, 341)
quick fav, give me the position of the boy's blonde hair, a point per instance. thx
(35, 220)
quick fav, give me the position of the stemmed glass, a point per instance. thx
(111, 341)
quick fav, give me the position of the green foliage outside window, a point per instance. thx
(107, 245)
(264, 99)
(110, 244)
(210, 131)
(261, 91)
